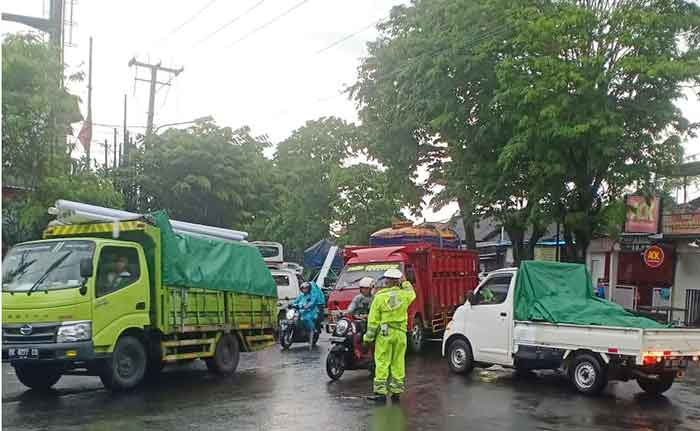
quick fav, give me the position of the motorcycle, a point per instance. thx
(292, 329)
(348, 352)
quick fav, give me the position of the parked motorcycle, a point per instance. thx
(292, 329)
(348, 352)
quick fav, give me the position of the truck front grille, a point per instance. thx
(29, 334)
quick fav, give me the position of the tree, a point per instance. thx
(533, 109)
(203, 174)
(305, 163)
(591, 88)
(363, 203)
(36, 112)
(427, 91)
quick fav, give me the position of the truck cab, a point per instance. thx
(64, 299)
(490, 306)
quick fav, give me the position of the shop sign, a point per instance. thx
(642, 215)
(634, 243)
(687, 223)
(654, 256)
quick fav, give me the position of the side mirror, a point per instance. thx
(86, 268)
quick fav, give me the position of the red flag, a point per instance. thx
(85, 135)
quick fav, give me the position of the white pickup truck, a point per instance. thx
(484, 334)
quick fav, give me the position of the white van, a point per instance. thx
(288, 283)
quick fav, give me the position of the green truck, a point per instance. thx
(119, 300)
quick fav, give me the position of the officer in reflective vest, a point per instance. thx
(386, 327)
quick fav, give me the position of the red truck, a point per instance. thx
(441, 277)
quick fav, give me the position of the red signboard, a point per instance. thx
(642, 215)
(654, 256)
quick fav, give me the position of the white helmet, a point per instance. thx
(367, 282)
(393, 273)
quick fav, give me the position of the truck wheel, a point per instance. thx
(416, 338)
(587, 374)
(226, 356)
(39, 378)
(657, 386)
(127, 366)
(459, 356)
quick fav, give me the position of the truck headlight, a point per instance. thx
(70, 332)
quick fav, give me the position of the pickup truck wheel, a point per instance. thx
(127, 366)
(657, 386)
(226, 356)
(587, 374)
(416, 338)
(459, 356)
(39, 378)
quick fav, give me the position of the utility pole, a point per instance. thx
(123, 155)
(114, 160)
(106, 155)
(153, 81)
(89, 102)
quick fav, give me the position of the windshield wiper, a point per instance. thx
(51, 267)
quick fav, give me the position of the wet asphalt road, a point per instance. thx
(276, 390)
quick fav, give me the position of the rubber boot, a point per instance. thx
(377, 398)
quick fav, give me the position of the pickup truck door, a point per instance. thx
(490, 321)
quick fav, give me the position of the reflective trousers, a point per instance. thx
(390, 362)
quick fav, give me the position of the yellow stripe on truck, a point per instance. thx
(83, 229)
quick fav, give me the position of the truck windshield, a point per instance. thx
(352, 274)
(34, 266)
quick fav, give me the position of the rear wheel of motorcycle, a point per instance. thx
(287, 338)
(335, 365)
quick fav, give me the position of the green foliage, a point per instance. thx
(36, 112)
(533, 109)
(204, 174)
(305, 163)
(363, 203)
(25, 218)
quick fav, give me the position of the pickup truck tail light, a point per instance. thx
(651, 360)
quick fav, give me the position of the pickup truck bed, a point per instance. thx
(630, 342)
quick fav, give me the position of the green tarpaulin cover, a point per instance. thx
(196, 262)
(562, 293)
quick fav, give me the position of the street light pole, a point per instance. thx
(196, 120)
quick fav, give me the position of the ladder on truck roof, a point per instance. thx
(69, 213)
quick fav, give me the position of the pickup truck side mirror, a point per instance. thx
(86, 268)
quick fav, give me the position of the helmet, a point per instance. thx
(393, 273)
(366, 282)
(305, 285)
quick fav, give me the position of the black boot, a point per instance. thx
(395, 398)
(377, 398)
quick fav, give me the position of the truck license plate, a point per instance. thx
(23, 353)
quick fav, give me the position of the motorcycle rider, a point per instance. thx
(386, 327)
(310, 304)
(361, 303)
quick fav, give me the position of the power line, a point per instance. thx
(349, 36)
(238, 17)
(268, 23)
(187, 21)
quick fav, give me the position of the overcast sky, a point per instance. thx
(273, 79)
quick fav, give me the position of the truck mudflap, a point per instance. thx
(47, 353)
